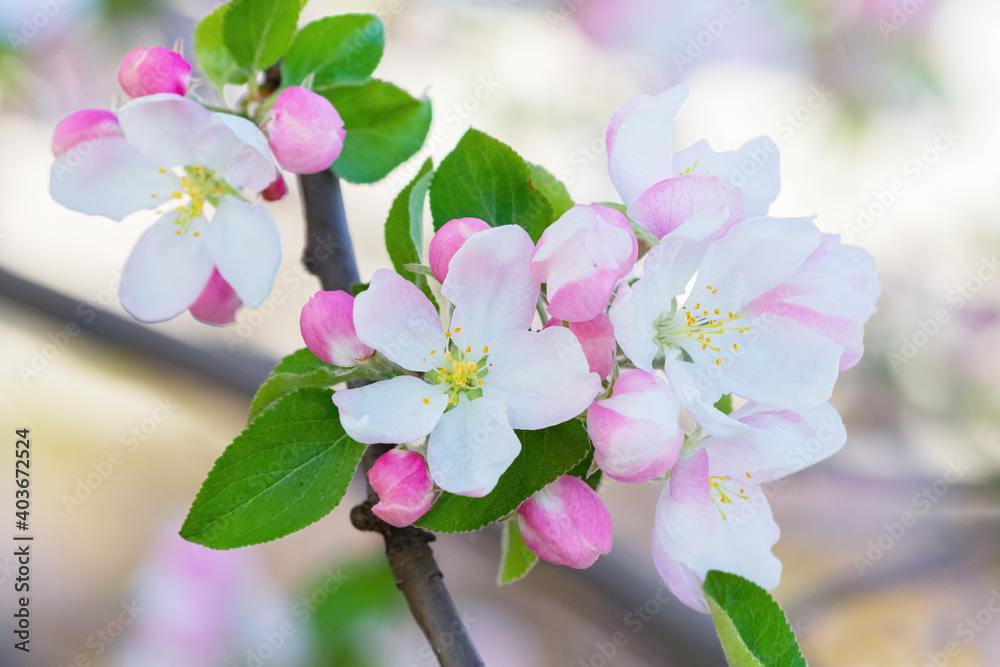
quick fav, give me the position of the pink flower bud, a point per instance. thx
(306, 132)
(218, 303)
(566, 523)
(276, 190)
(446, 242)
(83, 126)
(327, 325)
(581, 257)
(636, 431)
(597, 337)
(154, 70)
(404, 488)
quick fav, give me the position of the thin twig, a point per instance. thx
(329, 255)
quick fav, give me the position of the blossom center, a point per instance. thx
(699, 327)
(456, 369)
(199, 185)
(722, 494)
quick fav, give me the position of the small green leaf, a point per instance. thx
(404, 229)
(552, 188)
(258, 32)
(385, 127)
(725, 404)
(751, 626)
(484, 178)
(296, 371)
(582, 470)
(545, 455)
(335, 49)
(516, 559)
(211, 53)
(288, 469)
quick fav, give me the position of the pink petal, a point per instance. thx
(218, 303)
(446, 242)
(668, 204)
(404, 488)
(597, 337)
(154, 70)
(566, 523)
(87, 125)
(306, 132)
(327, 325)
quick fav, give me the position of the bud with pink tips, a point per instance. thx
(581, 257)
(154, 70)
(448, 240)
(327, 325)
(636, 431)
(566, 523)
(83, 126)
(306, 132)
(404, 488)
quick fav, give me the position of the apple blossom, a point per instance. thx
(711, 344)
(189, 164)
(404, 488)
(218, 303)
(597, 337)
(580, 258)
(154, 70)
(446, 242)
(636, 430)
(327, 325)
(566, 523)
(306, 132)
(84, 126)
(713, 514)
(483, 377)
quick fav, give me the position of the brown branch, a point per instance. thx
(329, 255)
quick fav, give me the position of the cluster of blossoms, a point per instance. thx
(213, 249)
(727, 305)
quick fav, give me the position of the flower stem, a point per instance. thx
(329, 254)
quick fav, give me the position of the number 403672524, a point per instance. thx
(23, 454)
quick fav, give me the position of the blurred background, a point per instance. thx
(885, 114)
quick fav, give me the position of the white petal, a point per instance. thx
(632, 314)
(490, 282)
(640, 142)
(394, 317)
(471, 447)
(237, 151)
(754, 168)
(391, 411)
(165, 128)
(245, 245)
(166, 271)
(542, 377)
(700, 399)
(108, 177)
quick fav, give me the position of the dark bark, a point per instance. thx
(329, 255)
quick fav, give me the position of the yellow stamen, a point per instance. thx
(486, 349)
(162, 170)
(427, 401)
(468, 349)
(457, 329)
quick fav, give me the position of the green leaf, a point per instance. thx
(552, 188)
(545, 455)
(335, 49)
(211, 53)
(404, 228)
(258, 32)
(296, 371)
(582, 470)
(751, 626)
(287, 470)
(621, 208)
(484, 178)
(385, 127)
(725, 404)
(516, 559)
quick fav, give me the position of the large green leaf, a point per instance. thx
(404, 228)
(545, 455)
(211, 53)
(552, 188)
(752, 628)
(296, 371)
(258, 32)
(287, 470)
(516, 559)
(385, 127)
(335, 49)
(484, 178)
